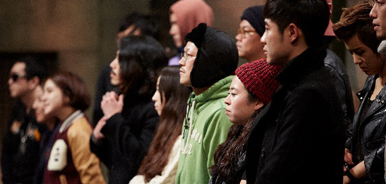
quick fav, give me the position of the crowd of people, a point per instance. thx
(285, 116)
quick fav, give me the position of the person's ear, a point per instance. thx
(66, 100)
(258, 105)
(33, 82)
(293, 32)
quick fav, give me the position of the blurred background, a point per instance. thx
(79, 35)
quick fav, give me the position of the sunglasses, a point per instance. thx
(15, 77)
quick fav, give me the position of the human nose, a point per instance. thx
(172, 30)
(238, 37)
(240, 34)
(113, 63)
(373, 13)
(182, 61)
(263, 38)
(10, 81)
(34, 105)
(357, 59)
(44, 97)
(226, 100)
(153, 97)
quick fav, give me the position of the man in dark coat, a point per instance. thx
(299, 136)
(20, 153)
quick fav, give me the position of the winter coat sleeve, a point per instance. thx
(132, 142)
(85, 162)
(99, 149)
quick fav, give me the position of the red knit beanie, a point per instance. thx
(259, 78)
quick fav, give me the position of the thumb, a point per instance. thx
(120, 99)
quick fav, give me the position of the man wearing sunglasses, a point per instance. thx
(20, 151)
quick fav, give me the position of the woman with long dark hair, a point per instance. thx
(71, 161)
(250, 91)
(122, 137)
(160, 164)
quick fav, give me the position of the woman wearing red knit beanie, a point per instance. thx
(251, 89)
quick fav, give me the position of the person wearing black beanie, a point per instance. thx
(207, 65)
(250, 31)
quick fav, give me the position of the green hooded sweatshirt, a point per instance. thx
(207, 127)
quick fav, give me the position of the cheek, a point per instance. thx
(39, 109)
(56, 101)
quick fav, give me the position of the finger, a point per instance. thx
(104, 118)
(120, 99)
(114, 94)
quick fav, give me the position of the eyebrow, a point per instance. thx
(246, 26)
(356, 48)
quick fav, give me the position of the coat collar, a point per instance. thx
(303, 64)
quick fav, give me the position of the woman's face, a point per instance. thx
(364, 57)
(53, 99)
(115, 71)
(38, 107)
(238, 108)
(158, 104)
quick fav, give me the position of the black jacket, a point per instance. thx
(370, 132)
(20, 158)
(299, 136)
(340, 78)
(127, 138)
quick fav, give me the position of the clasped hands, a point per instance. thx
(111, 104)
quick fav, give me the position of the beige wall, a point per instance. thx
(83, 32)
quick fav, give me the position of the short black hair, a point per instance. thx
(311, 16)
(147, 24)
(33, 67)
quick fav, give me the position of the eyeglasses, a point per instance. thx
(185, 58)
(244, 32)
(15, 77)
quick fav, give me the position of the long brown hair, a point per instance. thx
(175, 96)
(227, 154)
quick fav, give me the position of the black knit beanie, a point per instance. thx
(254, 15)
(217, 56)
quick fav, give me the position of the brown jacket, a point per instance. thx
(71, 160)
